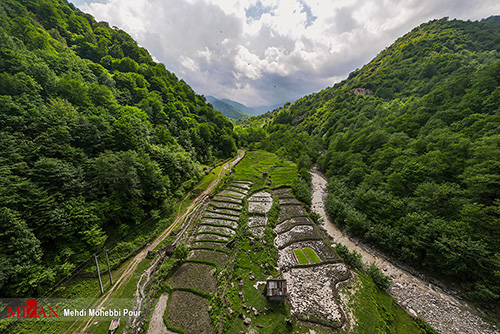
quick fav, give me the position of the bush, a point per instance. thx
(302, 191)
(381, 280)
(351, 258)
(181, 251)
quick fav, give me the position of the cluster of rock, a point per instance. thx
(312, 288)
(442, 313)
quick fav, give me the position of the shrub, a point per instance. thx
(381, 280)
(351, 258)
(181, 251)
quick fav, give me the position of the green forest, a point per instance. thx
(411, 145)
(96, 138)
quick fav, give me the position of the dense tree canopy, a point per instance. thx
(411, 144)
(96, 137)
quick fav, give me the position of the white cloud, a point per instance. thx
(270, 51)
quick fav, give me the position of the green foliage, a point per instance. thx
(424, 327)
(280, 171)
(377, 312)
(382, 281)
(181, 251)
(96, 138)
(21, 252)
(410, 143)
(351, 258)
(302, 187)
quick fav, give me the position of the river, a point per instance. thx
(440, 309)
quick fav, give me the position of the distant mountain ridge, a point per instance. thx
(227, 109)
(255, 111)
(239, 106)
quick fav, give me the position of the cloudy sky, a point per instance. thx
(264, 52)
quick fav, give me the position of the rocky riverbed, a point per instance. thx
(440, 309)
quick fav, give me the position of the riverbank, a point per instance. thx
(441, 310)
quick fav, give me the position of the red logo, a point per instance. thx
(32, 311)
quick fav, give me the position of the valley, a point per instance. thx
(370, 206)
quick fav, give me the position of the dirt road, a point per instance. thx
(443, 311)
(131, 266)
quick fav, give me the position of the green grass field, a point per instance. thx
(311, 254)
(377, 312)
(300, 256)
(280, 171)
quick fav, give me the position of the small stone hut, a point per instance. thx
(276, 289)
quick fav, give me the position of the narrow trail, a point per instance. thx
(156, 324)
(443, 311)
(130, 267)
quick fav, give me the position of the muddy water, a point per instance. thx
(441, 310)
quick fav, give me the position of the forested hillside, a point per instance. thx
(411, 145)
(95, 138)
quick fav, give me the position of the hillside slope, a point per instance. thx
(96, 138)
(411, 145)
(226, 109)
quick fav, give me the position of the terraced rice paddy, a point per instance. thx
(288, 224)
(210, 255)
(216, 227)
(242, 184)
(219, 222)
(288, 200)
(209, 214)
(289, 211)
(301, 257)
(211, 237)
(237, 189)
(209, 244)
(323, 251)
(255, 221)
(259, 204)
(232, 193)
(312, 266)
(195, 275)
(230, 199)
(311, 254)
(284, 192)
(297, 233)
(226, 205)
(224, 211)
(189, 312)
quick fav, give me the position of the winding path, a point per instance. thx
(441, 310)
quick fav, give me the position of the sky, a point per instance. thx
(265, 52)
